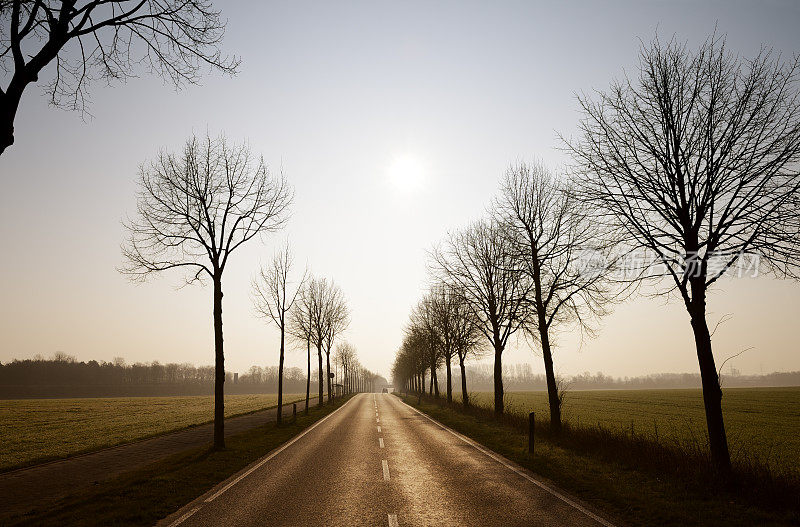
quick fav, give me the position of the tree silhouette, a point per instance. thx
(273, 297)
(195, 209)
(478, 262)
(102, 39)
(555, 241)
(696, 161)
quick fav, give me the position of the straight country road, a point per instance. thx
(377, 461)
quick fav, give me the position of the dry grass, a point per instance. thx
(41, 429)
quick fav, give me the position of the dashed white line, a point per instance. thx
(385, 470)
(380, 442)
(377, 420)
(379, 429)
(393, 520)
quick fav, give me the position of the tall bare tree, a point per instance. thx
(102, 39)
(195, 209)
(479, 262)
(302, 327)
(466, 335)
(697, 160)
(337, 318)
(274, 295)
(555, 241)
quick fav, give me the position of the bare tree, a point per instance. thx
(194, 210)
(329, 316)
(697, 160)
(337, 318)
(273, 298)
(478, 261)
(555, 240)
(102, 39)
(466, 335)
(302, 328)
(425, 321)
(346, 357)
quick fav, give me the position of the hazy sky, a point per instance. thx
(393, 121)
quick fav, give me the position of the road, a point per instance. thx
(376, 461)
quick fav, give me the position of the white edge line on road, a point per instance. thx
(385, 470)
(393, 520)
(184, 517)
(270, 456)
(515, 469)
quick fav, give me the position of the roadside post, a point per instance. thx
(294, 411)
(531, 425)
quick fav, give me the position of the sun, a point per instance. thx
(406, 173)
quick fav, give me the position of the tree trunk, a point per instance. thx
(552, 388)
(498, 379)
(712, 392)
(328, 370)
(308, 374)
(319, 358)
(434, 379)
(544, 335)
(449, 382)
(464, 394)
(219, 369)
(280, 379)
(8, 111)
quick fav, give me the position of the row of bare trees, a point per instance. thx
(521, 270)
(199, 206)
(678, 174)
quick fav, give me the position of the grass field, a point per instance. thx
(762, 423)
(144, 496)
(40, 429)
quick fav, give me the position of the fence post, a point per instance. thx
(531, 425)
(294, 411)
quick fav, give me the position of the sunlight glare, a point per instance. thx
(406, 173)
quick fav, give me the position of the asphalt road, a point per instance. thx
(377, 461)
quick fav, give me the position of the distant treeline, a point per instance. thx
(520, 377)
(63, 376)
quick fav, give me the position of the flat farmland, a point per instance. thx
(42, 429)
(762, 423)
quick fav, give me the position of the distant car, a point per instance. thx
(384, 391)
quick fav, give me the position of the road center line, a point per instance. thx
(393, 520)
(513, 468)
(380, 441)
(385, 470)
(379, 429)
(275, 453)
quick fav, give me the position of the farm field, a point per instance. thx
(762, 423)
(41, 429)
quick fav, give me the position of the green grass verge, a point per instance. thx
(38, 430)
(619, 488)
(144, 496)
